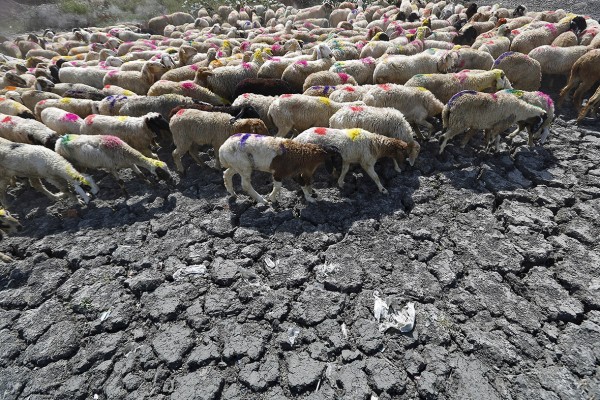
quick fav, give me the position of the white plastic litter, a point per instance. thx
(270, 263)
(105, 315)
(190, 270)
(403, 320)
(293, 334)
(344, 330)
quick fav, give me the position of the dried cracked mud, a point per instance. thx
(498, 252)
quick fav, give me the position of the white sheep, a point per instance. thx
(30, 98)
(301, 112)
(109, 153)
(137, 82)
(557, 60)
(261, 104)
(244, 152)
(12, 107)
(138, 132)
(385, 121)
(142, 105)
(328, 78)
(444, 86)
(349, 93)
(399, 69)
(187, 88)
(8, 225)
(523, 72)
(418, 105)
(191, 128)
(469, 58)
(19, 160)
(359, 146)
(538, 99)
(545, 35)
(61, 121)
(25, 130)
(296, 73)
(91, 76)
(81, 107)
(361, 70)
(471, 110)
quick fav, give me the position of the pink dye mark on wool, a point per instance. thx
(344, 77)
(544, 96)
(385, 86)
(245, 45)
(89, 119)
(348, 89)
(304, 63)
(356, 108)
(515, 32)
(188, 85)
(70, 117)
(462, 75)
(276, 47)
(112, 142)
(180, 112)
(494, 96)
(552, 28)
(320, 131)
(368, 61)
(7, 120)
(246, 66)
(193, 67)
(285, 96)
(412, 31)
(112, 73)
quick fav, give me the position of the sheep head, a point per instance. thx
(502, 81)
(250, 125)
(156, 122)
(519, 11)
(413, 150)
(448, 61)
(578, 24)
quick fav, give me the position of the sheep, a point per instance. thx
(444, 86)
(328, 78)
(30, 131)
(471, 110)
(385, 121)
(321, 11)
(466, 37)
(244, 152)
(191, 128)
(261, 104)
(296, 73)
(109, 153)
(523, 72)
(361, 70)
(566, 39)
(474, 59)
(494, 46)
(538, 99)
(360, 146)
(301, 112)
(61, 121)
(142, 105)
(237, 112)
(20, 160)
(319, 91)
(138, 132)
(399, 69)
(591, 106)
(114, 90)
(529, 40)
(81, 107)
(557, 60)
(137, 82)
(584, 75)
(8, 225)
(262, 86)
(418, 105)
(30, 98)
(186, 88)
(349, 93)
(90, 76)
(12, 107)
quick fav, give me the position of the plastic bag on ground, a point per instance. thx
(402, 320)
(190, 270)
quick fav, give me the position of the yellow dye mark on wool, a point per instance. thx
(325, 101)
(156, 163)
(128, 93)
(422, 89)
(226, 44)
(75, 175)
(353, 133)
(2, 212)
(122, 118)
(457, 47)
(65, 100)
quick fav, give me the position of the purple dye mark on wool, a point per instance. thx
(244, 139)
(459, 94)
(502, 57)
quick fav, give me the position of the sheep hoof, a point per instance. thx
(310, 199)
(384, 191)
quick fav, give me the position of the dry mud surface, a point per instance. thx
(499, 252)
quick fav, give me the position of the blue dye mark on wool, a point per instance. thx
(457, 95)
(282, 148)
(245, 139)
(502, 57)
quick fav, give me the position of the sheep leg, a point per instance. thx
(247, 186)
(396, 166)
(177, 154)
(516, 131)
(468, 136)
(228, 180)
(447, 136)
(64, 189)
(217, 160)
(3, 188)
(418, 132)
(94, 188)
(579, 92)
(276, 189)
(36, 183)
(140, 174)
(345, 168)
(306, 185)
(370, 169)
(5, 258)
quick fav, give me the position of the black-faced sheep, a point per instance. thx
(30, 131)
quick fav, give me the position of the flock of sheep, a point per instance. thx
(353, 84)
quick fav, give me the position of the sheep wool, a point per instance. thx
(30, 131)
